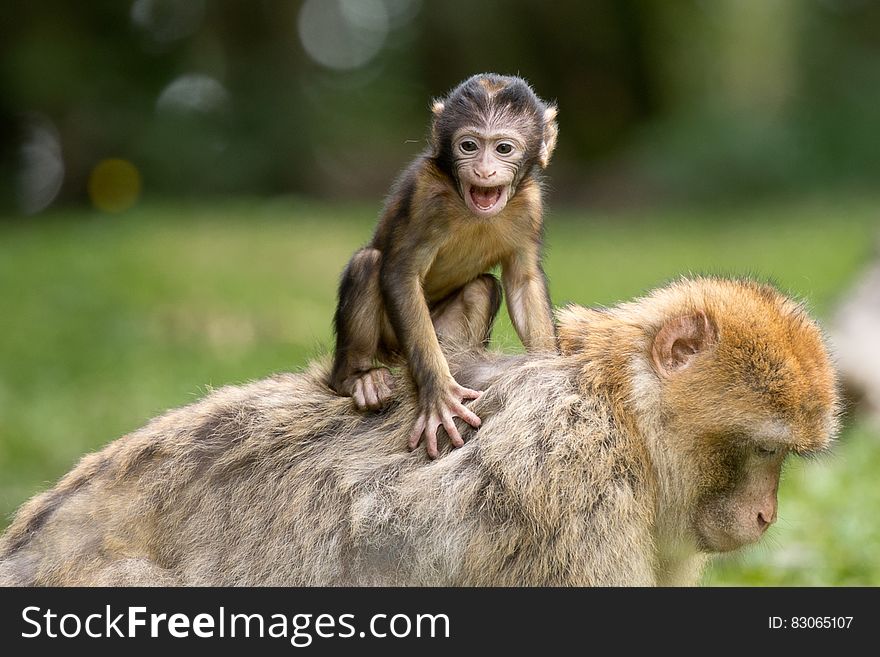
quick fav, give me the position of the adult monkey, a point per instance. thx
(470, 202)
(653, 440)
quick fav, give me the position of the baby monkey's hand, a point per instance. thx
(439, 411)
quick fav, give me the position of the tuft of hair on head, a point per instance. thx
(491, 82)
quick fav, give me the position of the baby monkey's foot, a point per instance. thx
(372, 389)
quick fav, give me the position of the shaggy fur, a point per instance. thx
(581, 474)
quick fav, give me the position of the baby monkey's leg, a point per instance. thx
(359, 319)
(464, 320)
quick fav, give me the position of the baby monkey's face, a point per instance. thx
(486, 164)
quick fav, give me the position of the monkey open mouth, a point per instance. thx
(486, 201)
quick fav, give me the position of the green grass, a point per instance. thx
(108, 320)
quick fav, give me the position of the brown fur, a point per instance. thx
(591, 467)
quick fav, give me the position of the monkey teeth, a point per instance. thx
(485, 199)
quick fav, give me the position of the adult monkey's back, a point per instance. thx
(655, 438)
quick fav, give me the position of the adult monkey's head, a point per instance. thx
(726, 379)
(488, 134)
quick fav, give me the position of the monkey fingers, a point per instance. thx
(426, 427)
(384, 384)
(372, 389)
(360, 396)
(415, 436)
(460, 410)
(441, 414)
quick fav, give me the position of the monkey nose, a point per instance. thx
(766, 517)
(482, 174)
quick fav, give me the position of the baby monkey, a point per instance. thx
(471, 201)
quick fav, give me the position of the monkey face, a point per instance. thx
(738, 500)
(489, 134)
(486, 166)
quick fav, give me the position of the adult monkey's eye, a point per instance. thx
(468, 146)
(504, 148)
(764, 451)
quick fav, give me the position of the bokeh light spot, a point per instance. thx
(343, 34)
(114, 185)
(193, 92)
(42, 167)
(168, 20)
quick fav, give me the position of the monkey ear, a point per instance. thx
(551, 131)
(679, 341)
(436, 111)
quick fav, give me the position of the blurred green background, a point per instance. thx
(183, 181)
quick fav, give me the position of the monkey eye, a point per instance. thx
(468, 146)
(764, 451)
(504, 148)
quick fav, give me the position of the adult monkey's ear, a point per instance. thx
(551, 131)
(679, 341)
